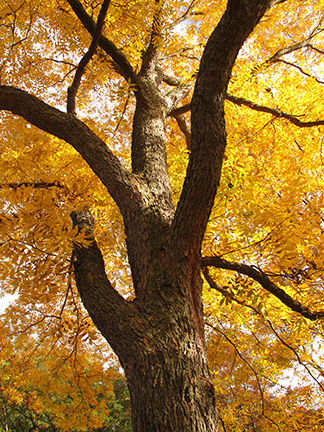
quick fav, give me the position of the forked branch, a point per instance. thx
(72, 91)
(124, 67)
(298, 45)
(305, 43)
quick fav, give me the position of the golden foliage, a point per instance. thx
(268, 211)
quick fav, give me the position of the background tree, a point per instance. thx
(53, 385)
(126, 73)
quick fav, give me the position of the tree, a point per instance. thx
(119, 418)
(45, 386)
(157, 332)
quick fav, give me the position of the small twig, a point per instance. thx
(246, 362)
(122, 114)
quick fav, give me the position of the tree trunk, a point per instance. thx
(168, 374)
(170, 387)
(159, 339)
(158, 336)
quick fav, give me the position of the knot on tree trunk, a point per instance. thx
(83, 219)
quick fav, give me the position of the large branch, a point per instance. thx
(124, 67)
(115, 318)
(65, 126)
(261, 277)
(208, 137)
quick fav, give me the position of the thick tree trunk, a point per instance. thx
(158, 336)
(168, 375)
(170, 385)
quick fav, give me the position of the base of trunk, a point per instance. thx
(171, 389)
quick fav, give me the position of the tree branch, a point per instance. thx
(35, 185)
(64, 126)
(273, 111)
(229, 295)
(180, 110)
(150, 55)
(244, 360)
(175, 96)
(208, 134)
(171, 81)
(288, 50)
(124, 67)
(256, 107)
(184, 16)
(296, 354)
(180, 51)
(301, 70)
(72, 90)
(261, 277)
(109, 311)
(183, 126)
(318, 50)
(305, 43)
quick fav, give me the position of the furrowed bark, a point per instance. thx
(169, 379)
(208, 133)
(158, 337)
(170, 388)
(146, 230)
(159, 340)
